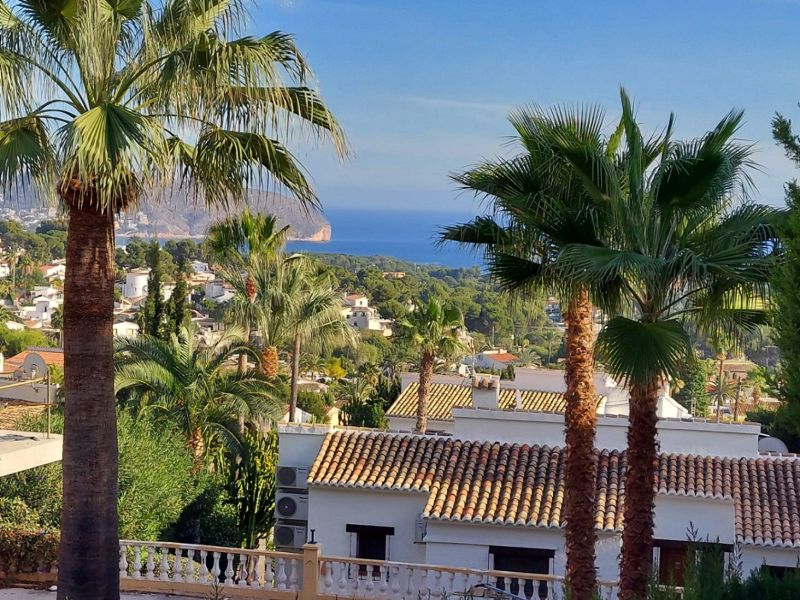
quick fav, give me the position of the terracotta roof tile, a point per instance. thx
(444, 397)
(513, 484)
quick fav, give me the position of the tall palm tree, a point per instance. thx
(316, 317)
(434, 329)
(539, 207)
(192, 388)
(101, 102)
(679, 251)
(240, 244)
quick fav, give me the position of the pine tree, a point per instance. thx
(786, 282)
(178, 310)
(153, 313)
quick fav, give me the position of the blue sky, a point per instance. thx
(423, 87)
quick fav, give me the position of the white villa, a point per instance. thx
(135, 285)
(489, 495)
(360, 315)
(533, 390)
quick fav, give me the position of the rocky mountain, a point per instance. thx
(175, 215)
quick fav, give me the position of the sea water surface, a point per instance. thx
(409, 236)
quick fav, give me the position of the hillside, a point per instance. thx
(177, 216)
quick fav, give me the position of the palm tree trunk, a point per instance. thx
(269, 362)
(89, 548)
(425, 374)
(642, 462)
(198, 448)
(295, 377)
(580, 418)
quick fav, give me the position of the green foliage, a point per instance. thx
(177, 311)
(693, 380)
(153, 489)
(26, 550)
(314, 403)
(153, 314)
(361, 408)
(779, 423)
(253, 485)
(14, 342)
(385, 391)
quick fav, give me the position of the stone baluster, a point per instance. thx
(437, 584)
(137, 562)
(123, 561)
(163, 567)
(395, 582)
(344, 582)
(327, 578)
(229, 569)
(411, 591)
(150, 565)
(280, 576)
(177, 569)
(203, 567)
(254, 562)
(370, 582)
(294, 575)
(269, 573)
(244, 569)
(215, 570)
(449, 583)
(383, 584)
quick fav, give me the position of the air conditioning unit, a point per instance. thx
(289, 536)
(291, 505)
(420, 529)
(293, 477)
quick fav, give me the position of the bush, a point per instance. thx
(156, 480)
(313, 403)
(24, 550)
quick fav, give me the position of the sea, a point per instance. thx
(406, 235)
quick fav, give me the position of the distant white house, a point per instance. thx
(126, 329)
(360, 315)
(199, 266)
(5, 270)
(135, 284)
(54, 271)
(493, 359)
(218, 291)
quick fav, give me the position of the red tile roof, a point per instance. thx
(503, 357)
(513, 484)
(51, 356)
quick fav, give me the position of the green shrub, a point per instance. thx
(24, 550)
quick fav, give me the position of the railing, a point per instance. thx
(362, 578)
(194, 570)
(209, 565)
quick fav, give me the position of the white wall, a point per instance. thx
(135, 285)
(711, 519)
(547, 429)
(299, 445)
(753, 557)
(332, 509)
(407, 424)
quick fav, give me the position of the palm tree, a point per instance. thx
(191, 387)
(540, 207)
(243, 243)
(434, 329)
(103, 102)
(315, 317)
(679, 251)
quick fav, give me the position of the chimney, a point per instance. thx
(485, 392)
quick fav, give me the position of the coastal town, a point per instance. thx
(477, 322)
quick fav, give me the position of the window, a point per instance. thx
(370, 542)
(521, 560)
(780, 572)
(670, 557)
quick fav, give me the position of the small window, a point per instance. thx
(671, 556)
(781, 572)
(521, 560)
(372, 543)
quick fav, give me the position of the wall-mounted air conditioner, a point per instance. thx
(292, 477)
(291, 505)
(290, 536)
